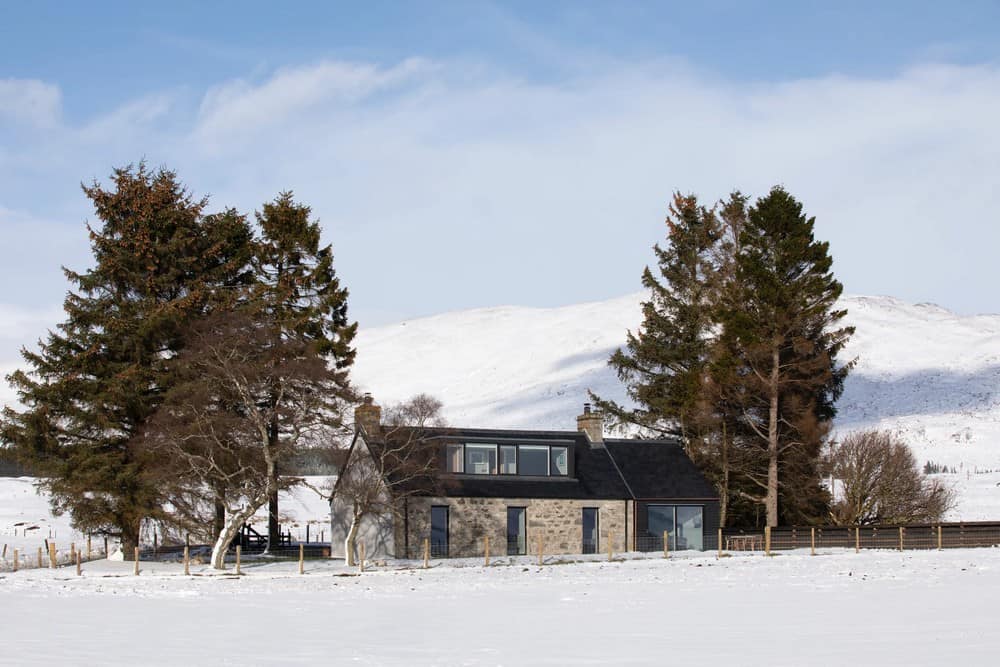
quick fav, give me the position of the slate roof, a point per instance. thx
(659, 469)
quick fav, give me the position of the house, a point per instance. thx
(572, 490)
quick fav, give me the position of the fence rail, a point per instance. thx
(903, 537)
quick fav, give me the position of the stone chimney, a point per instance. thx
(368, 416)
(591, 423)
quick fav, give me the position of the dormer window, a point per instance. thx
(483, 458)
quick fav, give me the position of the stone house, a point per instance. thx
(573, 491)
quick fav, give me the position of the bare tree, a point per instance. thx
(251, 398)
(400, 460)
(882, 483)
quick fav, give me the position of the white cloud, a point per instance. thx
(29, 101)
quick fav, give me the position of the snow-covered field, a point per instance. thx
(873, 608)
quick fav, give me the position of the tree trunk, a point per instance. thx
(772, 440)
(273, 527)
(230, 530)
(130, 538)
(350, 541)
(724, 491)
(220, 517)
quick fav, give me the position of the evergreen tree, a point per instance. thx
(780, 321)
(92, 385)
(297, 291)
(664, 363)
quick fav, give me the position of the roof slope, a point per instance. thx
(656, 469)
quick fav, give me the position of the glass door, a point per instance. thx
(517, 540)
(689, 528)
(439, 531)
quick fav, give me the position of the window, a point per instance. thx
(508, 459)
(517, 539)
(590, 530)
(455, 458)
(559, 460)
(439, 531)
(534, 460)
(480, 459)
(683, 522)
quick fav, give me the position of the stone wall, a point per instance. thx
(559, 523)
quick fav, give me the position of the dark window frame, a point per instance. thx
(597, 529)
(524, 518)
(550, 469)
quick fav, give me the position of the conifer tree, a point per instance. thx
(297, 291)
(91, 386)
(663, 364)
(781, 322)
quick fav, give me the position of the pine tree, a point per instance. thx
(297, 291)
(663, 364)
(780, 321)
(93, 384)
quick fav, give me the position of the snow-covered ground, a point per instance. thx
(872, 608)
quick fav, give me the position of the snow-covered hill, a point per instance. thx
(923, 371)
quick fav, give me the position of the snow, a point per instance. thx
(926, 373)
(876, 607)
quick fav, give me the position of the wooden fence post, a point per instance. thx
(427, 552)
(72, 551)
(135, 568)
(156, 546)
(89, 552)
(486, 550)
(238, 559)
(187, 561)
(857, 539)
(767, 540)
(106, 554)
(52, 555)
(40, 564)
(15, 559)
(666, 544)
(78, 572)
(720, 542)
(812, 541)
(361, 562)
(302, 559)
(902, 532)
(939, 537)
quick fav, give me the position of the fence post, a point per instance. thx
(902, 531)
(238, 554)
(89, 552)
(40, 564)
(15, 559)
(187, 561)
(106, 554)
(611, 547)
(78, 573)
(666, 544)
(72, 551)
(302, 557)
(857, 539)
(939, 537)
(427, 552)
(720, 542)
(767, 540)
(486, 551)
(812, 541)
(135, 568)
(52, 555)
(361, 562)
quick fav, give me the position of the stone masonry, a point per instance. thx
(558, 522)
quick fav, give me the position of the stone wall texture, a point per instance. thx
(557, 522)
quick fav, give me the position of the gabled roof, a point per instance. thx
(659, 469)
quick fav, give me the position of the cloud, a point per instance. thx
(30, 102)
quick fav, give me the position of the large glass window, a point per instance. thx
(683, 522)
(517, 539)
(508, 459)
(534, 460)
(439, 531)
(590, 530)
(455, 458)
(480, 459)
(560, 460)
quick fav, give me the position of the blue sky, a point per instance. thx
(466, 154)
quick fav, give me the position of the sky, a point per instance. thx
(465, 154)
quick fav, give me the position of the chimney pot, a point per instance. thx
(592, 424)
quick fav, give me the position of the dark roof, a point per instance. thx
(620, 469)
(658, 469)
